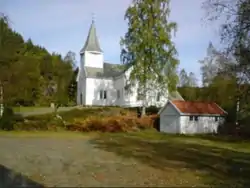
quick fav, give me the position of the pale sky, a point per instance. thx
(62, 25)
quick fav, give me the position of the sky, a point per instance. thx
(62, 25)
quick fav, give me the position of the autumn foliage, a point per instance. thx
(112, 124)
(105, 119)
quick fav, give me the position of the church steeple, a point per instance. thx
(92, 42)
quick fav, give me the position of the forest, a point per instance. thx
(30, 75)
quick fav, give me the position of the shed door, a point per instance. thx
(169, 124)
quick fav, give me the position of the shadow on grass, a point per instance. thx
(9, 178)
(223, 138)
(218, 166)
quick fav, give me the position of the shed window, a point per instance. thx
(196, 118)
(191, 118)
(216, 118)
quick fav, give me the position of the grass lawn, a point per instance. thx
(45, 134)
(29, 109)
(124, 159)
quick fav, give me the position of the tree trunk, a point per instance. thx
(1, 99)
(143, 111)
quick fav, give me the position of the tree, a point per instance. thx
(209, 65)
(59, 83)
(235, 36)
(187, 80)
(183, 78)
(148, 49)
(72, 89)
(71, 57)
(29, 73)
(3, 23)
(192, 79)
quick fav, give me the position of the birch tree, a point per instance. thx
(147, 46)
(234, 33)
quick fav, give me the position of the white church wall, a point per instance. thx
(93, 59)
(81, 91)
(132, 99)
(119, 84)
(94, 86)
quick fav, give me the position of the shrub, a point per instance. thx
(152, 110)
(100, 112)
(41, 122)
(111, 119)
(156, 121)
(111, 124)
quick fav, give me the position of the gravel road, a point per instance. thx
(70, 162)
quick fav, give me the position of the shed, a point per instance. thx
(188, 117)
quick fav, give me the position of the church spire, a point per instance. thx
(92, 42)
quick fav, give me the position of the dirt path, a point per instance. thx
(73, 162)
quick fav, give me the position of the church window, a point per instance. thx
(101, 94)
(104, 94)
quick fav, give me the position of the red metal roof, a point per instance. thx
(196, 107)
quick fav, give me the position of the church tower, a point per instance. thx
(91, 54)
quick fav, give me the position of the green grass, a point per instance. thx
(48, 134)
(208, 159)
(29, 108)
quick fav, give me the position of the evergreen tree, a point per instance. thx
(27, 71)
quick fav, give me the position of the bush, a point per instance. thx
(104, 119)
(99, 112)
(156, 121)
(152, 110)
(43, 122)
(111, 124)
(7, 120)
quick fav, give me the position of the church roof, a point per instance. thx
(92, 42)
(108, 71)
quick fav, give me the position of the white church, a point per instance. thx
(104, 84)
